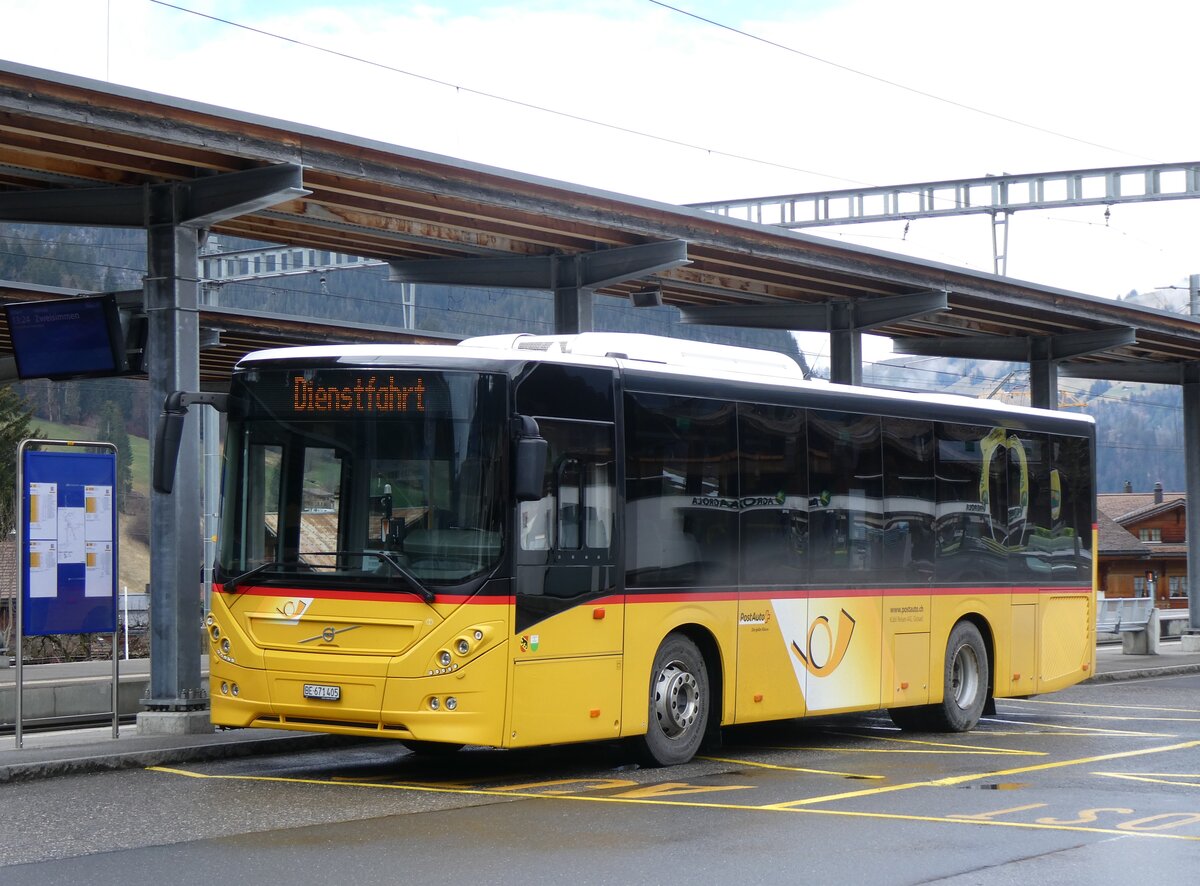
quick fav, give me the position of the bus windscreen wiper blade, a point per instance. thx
(427, 595)
(233, 583)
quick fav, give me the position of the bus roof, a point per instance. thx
(634, 351)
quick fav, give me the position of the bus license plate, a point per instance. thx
(324, 693)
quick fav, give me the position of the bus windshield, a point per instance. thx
(351, 477)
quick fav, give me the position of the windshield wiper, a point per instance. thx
(233, 583)
(427, 595)
(418, 586)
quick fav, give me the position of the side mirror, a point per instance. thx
(530, 451)
(166, 449)
(170, 432)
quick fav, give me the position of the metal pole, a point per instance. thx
(845, 345)
(22, 548)
(173, 348)
(116, 695)
(210, 437)
(1191, 455)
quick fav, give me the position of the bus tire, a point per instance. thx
(678, 705)
(965, 681)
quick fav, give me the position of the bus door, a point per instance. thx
(569, 612)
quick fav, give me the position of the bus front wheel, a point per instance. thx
(964, 687)
(679, 703)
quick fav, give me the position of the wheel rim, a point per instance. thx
(676, 699)
(964, 677)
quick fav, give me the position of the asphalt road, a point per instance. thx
(1098, 784)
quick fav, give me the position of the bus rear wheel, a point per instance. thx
(679, 703)
(964, 687)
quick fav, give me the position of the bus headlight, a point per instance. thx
(444, 658)
(462, 646)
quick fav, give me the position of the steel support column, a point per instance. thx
(845, 321)
(572, 278)
(845, 345)
(1044, 354)
(1191, 455)
(1043, 375)
(172, 215)
(173, 364)
(573, 310)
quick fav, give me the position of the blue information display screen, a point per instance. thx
(66, 338)
(69, 542)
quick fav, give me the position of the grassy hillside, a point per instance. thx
(139, 446)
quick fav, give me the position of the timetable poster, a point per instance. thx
(70, 542)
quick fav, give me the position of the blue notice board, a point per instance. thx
(69, 542)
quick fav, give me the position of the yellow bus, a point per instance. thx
(525, 540)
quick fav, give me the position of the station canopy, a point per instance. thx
(64, 138)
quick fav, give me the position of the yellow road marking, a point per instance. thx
(1156, 778)
(1116, 707)
(1033, 826)
(925, 752)
(788, 768)
(963, 779)
(1058, 733)
(592, 784)
(885, 816)
(1133, 719)
(1098, 730)
(923, 747)
(946, 744)
(675, 788)
(987, 816)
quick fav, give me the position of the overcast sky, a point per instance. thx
(764, 98)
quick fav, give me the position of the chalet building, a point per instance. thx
(8, 593)
(1143, 546)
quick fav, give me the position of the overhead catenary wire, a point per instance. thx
(895, 84)
(532, 106)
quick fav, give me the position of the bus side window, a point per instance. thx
(773, 479)
(576, 507)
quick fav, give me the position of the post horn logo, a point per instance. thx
(839, 645)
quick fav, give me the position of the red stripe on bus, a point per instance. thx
(705, 596)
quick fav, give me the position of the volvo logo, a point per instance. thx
(329, 634)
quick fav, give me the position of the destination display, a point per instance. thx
(360, 392)
(365, 393)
